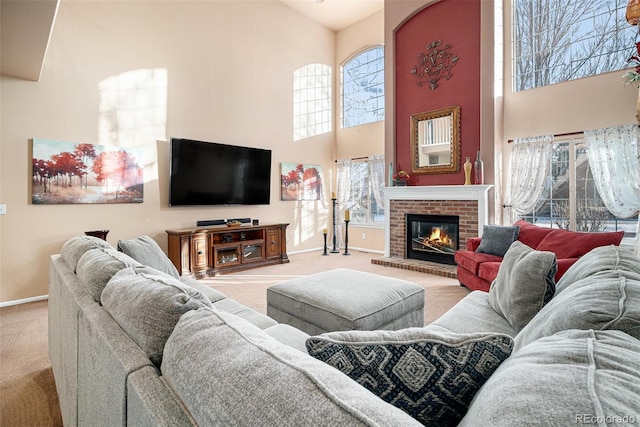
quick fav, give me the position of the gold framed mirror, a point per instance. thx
(435, 141)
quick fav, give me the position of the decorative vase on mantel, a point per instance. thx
(478, 171)
(467, 171)
(400, 183)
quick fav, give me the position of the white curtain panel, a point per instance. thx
(377, 178)
(343, 194)
(614, 159)
(615, 165)
(528, 169)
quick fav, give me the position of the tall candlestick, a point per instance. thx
(346, 237)
(335, 249)
(324, 235)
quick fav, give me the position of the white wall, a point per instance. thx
(229, 67)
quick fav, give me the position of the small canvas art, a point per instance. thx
(68, 173)
(300, 182)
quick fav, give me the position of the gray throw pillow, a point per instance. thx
(146, 251)
(433, 376)
(74, 248)
(147, 304)
(525, 283)
(575, 377)
(97, 266)
(496, 239)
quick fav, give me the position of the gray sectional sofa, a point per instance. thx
(132, 343)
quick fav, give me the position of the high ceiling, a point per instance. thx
(336, 14)
(27, 25)
(25, 28)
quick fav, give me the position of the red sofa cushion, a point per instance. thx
(531, 235)
(472, 282)
(472, 260)
(473, 243)
(573, 244)
(489, 270)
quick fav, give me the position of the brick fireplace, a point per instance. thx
(468, 202)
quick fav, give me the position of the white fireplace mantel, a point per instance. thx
(436, 192)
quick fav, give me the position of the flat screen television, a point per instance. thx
(209, 173)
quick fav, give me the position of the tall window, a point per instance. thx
(311, 101)
(570, 199)
(362, 83)
(557, 41)
(362, 202)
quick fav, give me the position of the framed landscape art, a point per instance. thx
(300, 182)
(68, 173)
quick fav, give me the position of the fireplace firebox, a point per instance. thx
(432, 237)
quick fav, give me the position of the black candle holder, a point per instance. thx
(334, 250)
(346, 237)
(324, 234)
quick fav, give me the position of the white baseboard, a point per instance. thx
(373, 251)
(304, 251)
(367, 250)
(23, 301)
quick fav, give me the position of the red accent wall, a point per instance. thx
(456, 23)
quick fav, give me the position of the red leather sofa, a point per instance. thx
(477, 270)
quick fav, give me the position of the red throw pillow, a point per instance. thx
(531, 235)
(573, 244)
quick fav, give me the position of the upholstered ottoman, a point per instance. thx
(344, 299)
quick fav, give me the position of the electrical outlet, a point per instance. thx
(364, 236)
(3, 209)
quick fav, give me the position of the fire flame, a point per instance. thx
(438, 236)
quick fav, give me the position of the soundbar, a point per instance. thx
(211, 222)
(207, 222)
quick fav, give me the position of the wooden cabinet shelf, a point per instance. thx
(208, 251)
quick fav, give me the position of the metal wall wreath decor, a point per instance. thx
(435, 63)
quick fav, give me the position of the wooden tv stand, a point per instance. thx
(208, 251)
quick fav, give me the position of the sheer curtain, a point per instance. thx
(377, 178)
(615, 164)
(527, 174)
(343, 194)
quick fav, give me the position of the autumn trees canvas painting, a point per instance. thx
(66, 172)
(300, 182)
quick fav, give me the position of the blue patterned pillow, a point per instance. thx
(431, 376)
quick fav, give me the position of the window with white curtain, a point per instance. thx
(570, 199)
(362, 203)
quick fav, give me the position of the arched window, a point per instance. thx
(362, 84)
(311, 101)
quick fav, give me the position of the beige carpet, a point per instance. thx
(27, 388)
